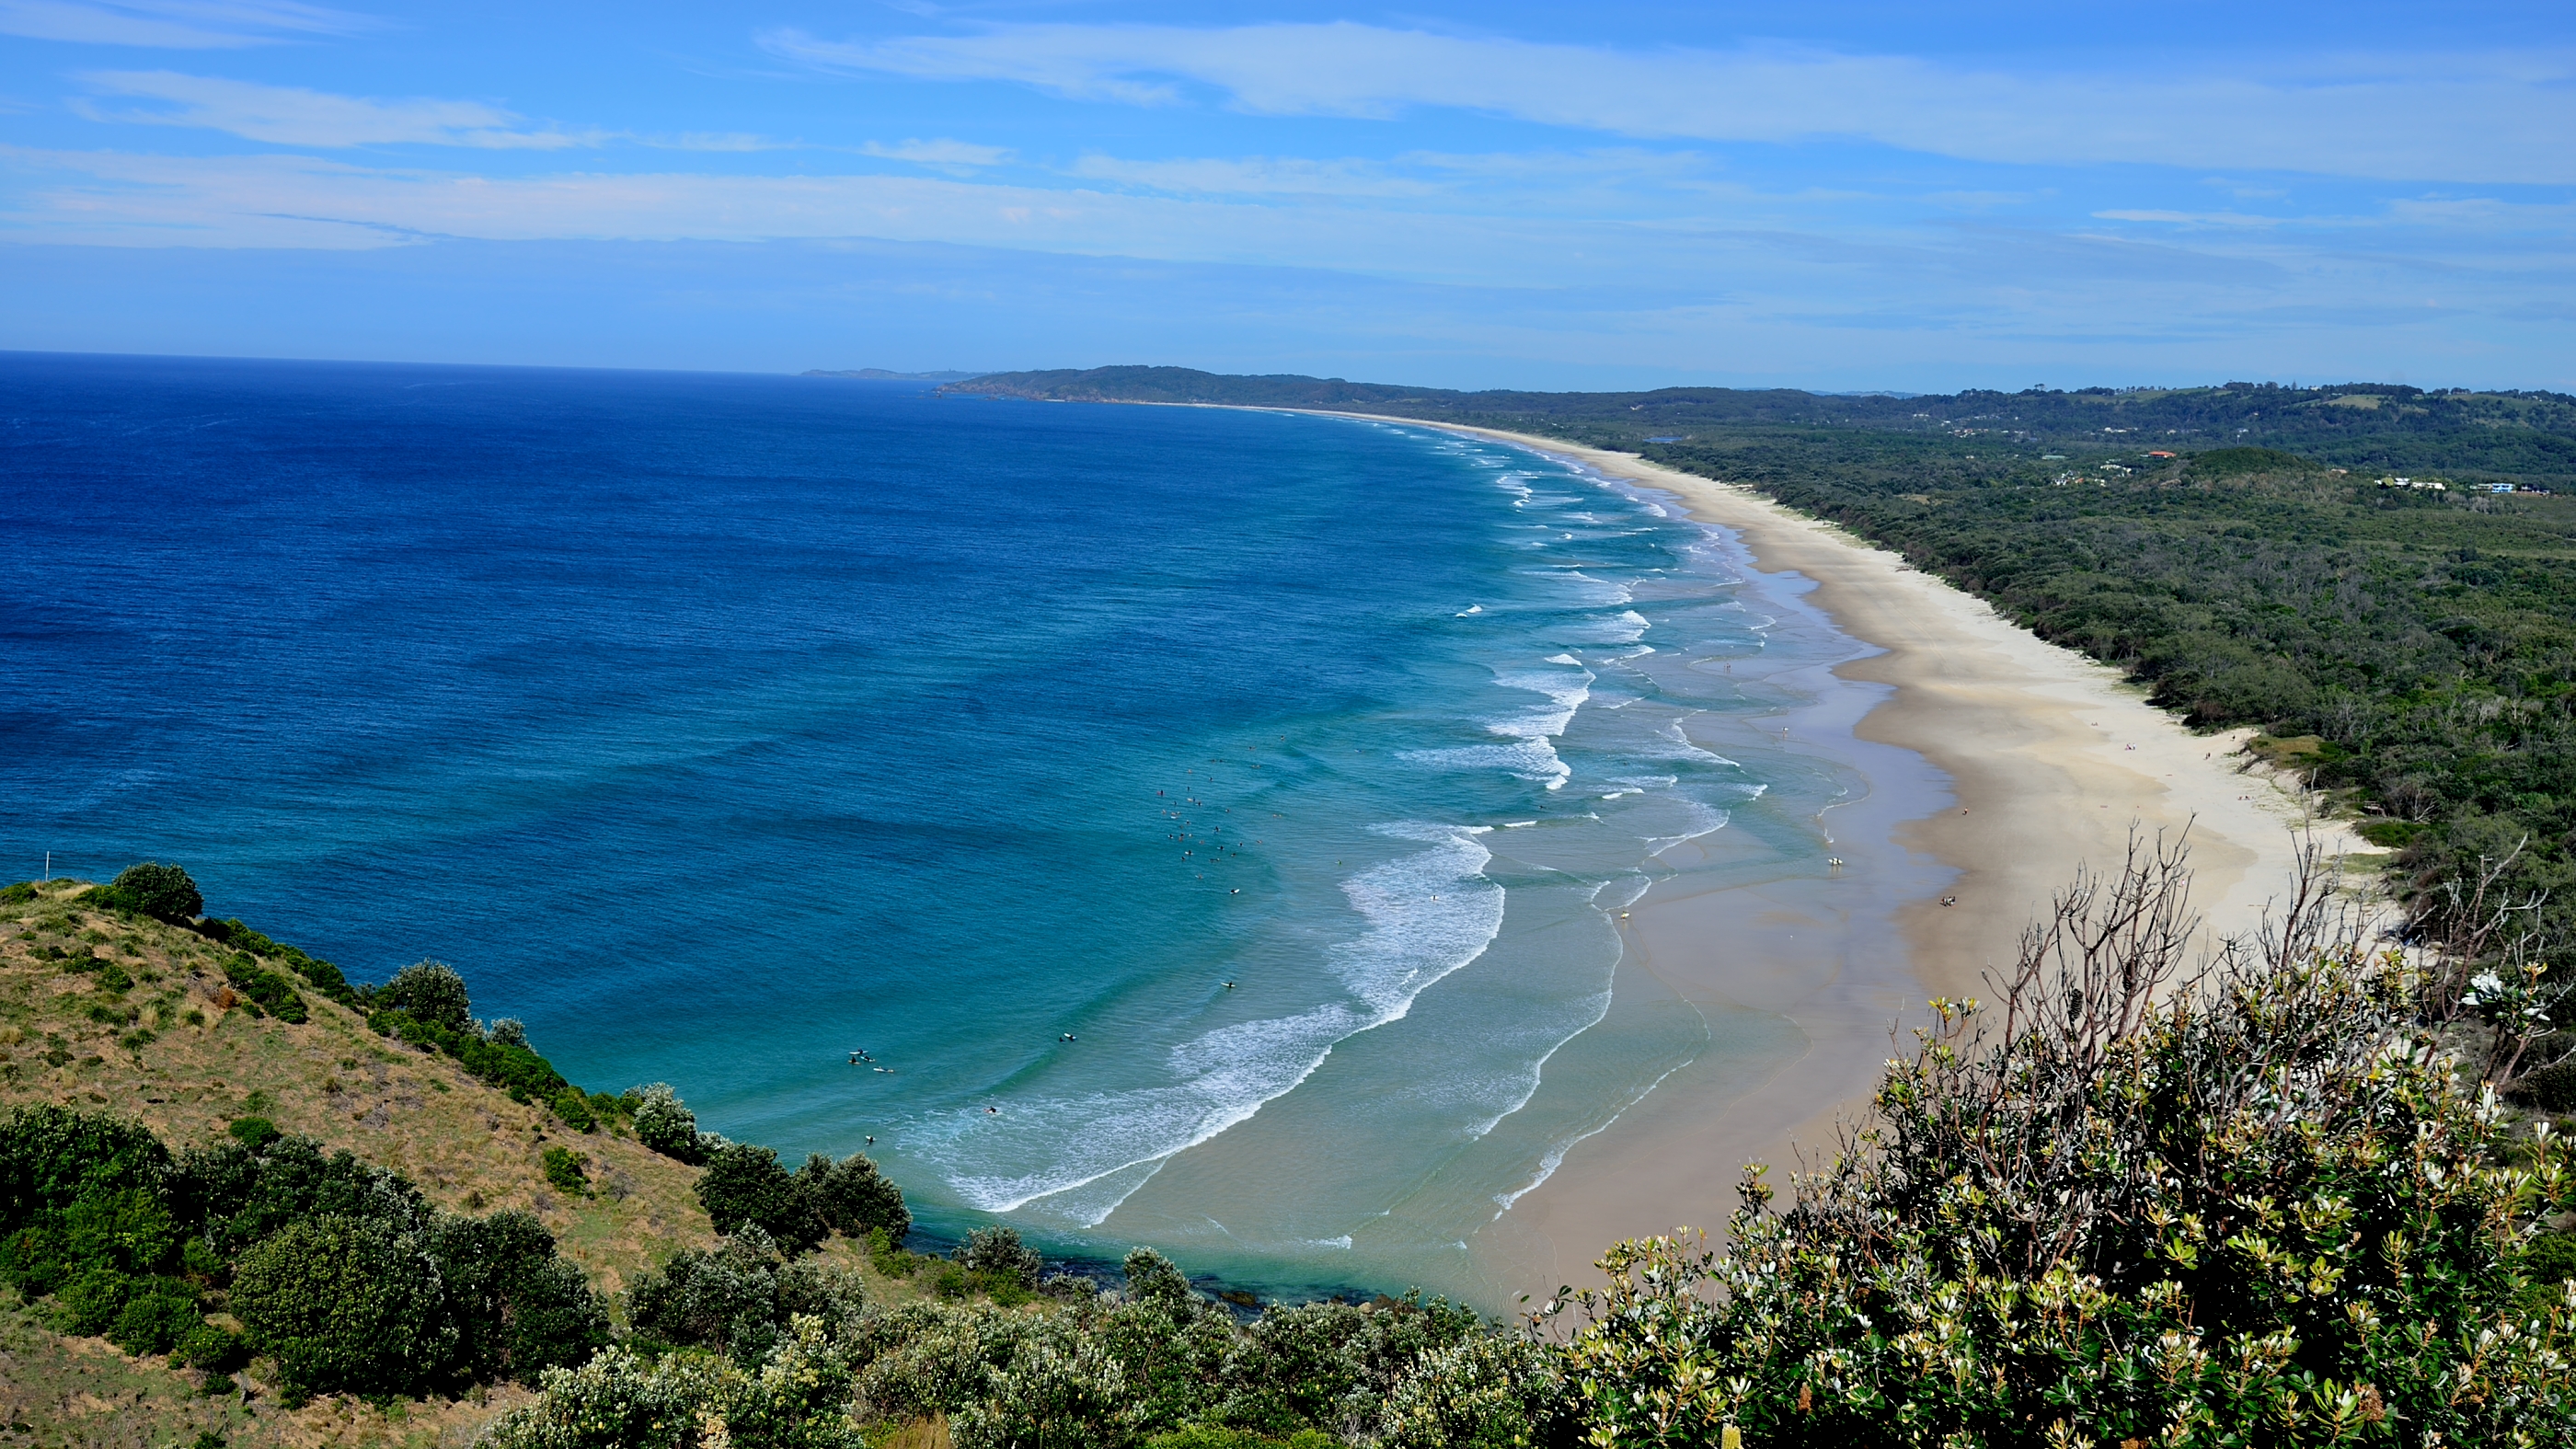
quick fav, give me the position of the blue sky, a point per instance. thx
(1599, 195)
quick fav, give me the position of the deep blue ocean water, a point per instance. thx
(718, 726)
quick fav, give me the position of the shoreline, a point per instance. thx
(2050, 758)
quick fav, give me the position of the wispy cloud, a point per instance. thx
(291, 116)
(2237, 219)
(2470, 117)
(175, 24)
(939, 153)
(1252, 176)
(736, 142)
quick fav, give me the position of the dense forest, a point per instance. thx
(2244, 550)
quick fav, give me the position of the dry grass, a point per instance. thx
(211, 1060)
(81, 1391)
(467, 1145)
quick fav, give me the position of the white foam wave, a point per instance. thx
(1599, 591)
(1426, 914)
(1532, 759)
(1566, 692)
(1563, 659)
(1673, 731)
(1705, 819)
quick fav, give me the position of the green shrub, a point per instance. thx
(726, 1300)
(211, 1349)
(125, 1228)
(799, 1399)
(270, 992)
(235, 1195)
(51, 1156)
(162, 892)
(156, 1319)
(1483, 1391)
(664, 1123)
(1318, 1365)
(564, 1169)
(92, 1299)
(574, 1108)
(814, 1288)
(345, 1305)
(746, 1185)
(518, 1308)
(2263, 1207)
(19, 894)
(997, 1255)
(36, 1259)
(325, 977)
(429, 992)
(855, 1198)
(1218, 1436)
(1061, 1391)
(2390, 834)
(616, 1401)
(517, 1070)
(252, 1132)
(893, 1261)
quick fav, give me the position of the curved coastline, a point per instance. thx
(2051, 759)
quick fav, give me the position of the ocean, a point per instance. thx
(1215, 823)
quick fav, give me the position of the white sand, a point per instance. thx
(2053, 758)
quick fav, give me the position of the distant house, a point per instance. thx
(2159, 453)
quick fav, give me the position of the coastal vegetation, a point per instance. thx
(2269, 1199)
(2259, 556)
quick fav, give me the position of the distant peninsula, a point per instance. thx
(879, 374)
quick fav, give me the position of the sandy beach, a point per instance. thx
(2052, 759)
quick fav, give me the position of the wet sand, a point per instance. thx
(2050, 757)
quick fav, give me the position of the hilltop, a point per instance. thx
(107, 1010)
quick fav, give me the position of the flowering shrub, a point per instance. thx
(664, 1123)
(2263, 1207)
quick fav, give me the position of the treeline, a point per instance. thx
(2414, 651)
(2523, 435)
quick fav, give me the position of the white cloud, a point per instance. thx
(1252, 176)
(2202, 218)
(2471, 117)
(174, 24)
(291, 116)
(939, 153)
(732, 141)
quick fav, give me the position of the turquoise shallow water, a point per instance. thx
(1295, 768)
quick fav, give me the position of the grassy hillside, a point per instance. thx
(108, 1011)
